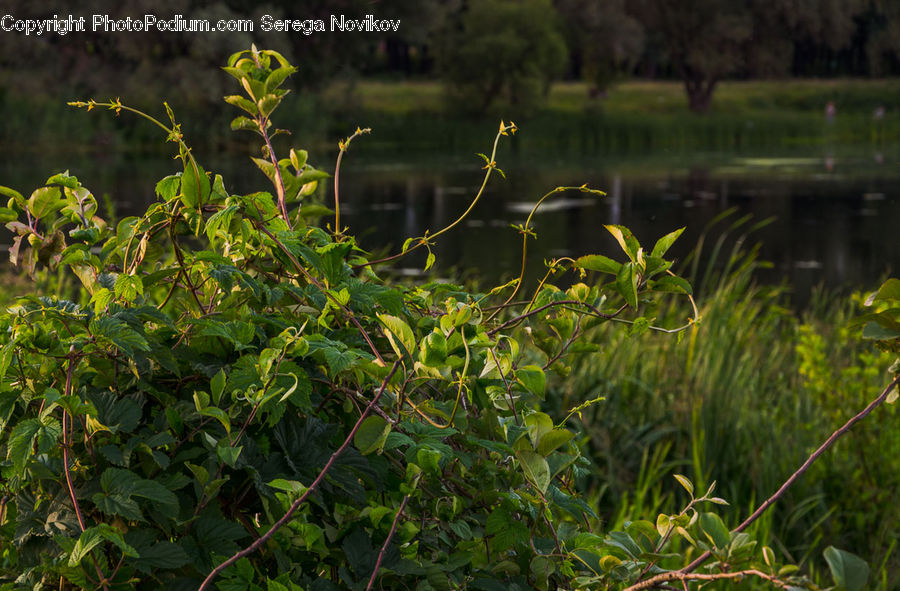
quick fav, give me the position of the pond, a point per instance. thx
(832, 213)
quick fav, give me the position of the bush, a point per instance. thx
(231, 397)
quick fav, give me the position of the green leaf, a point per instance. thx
(429, 459)
(848, 570)
(118, 334)
(158, 555)
(20, 443)
(267, 104)
(687, 484)
(536, 469)
(507, 531)
(239, 123)
(229, 454)
(8, 215)
(532, 379)
(87, 541)
(220, 221)
(433, 349)
(889, 290)
(626, 284)
(598, 262)
(155, 492)
(625, 239)
(877, 332)
(6, 356)
(663, 244)
(195, 186)
(311, 174)
(298, 158)
(625, 542)
(242, 103)
(671, 284)
(128, 287)
(372, 434)
(217, 386)
(399, 333)
(715, 529)
(538, 424)
(118, 504)
(45, 201)
(14, 195)
(212, 411)
(291, 486)
(168, 187)
(277, 77)
(554, 439)
(663, 524)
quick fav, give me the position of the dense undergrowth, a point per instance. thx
(225, 393)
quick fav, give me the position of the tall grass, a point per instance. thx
(742, 400)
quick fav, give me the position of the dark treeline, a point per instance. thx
(487, 51)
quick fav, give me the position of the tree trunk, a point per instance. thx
(700, 93)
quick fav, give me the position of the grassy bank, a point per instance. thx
(741, 401)
(634, 117)
(762, 98)
(642, 116)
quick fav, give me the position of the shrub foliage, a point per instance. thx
(231, 396)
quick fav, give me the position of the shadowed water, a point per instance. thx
(835, 215)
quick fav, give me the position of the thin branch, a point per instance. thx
(312, 487)
(658, 580)
(66, 441)
(386, 543)
(66, 433)
(803, 468)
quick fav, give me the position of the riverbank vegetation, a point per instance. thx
(634, 118)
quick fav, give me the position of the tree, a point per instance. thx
(882, 25)
(502, 50)
(707, 40)
(605, 42)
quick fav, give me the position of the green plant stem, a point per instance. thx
(344, 145)
(540, 309)
(279, 182)
(491, 166)
(508, 385)
(184, 271)
(173, 134)
(793, 478)
(526, 230)
(312, 487)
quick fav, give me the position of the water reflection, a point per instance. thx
(834, 227)
(835, 214)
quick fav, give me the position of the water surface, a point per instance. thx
(835, 213)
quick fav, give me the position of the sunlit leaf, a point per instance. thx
(535, 467)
